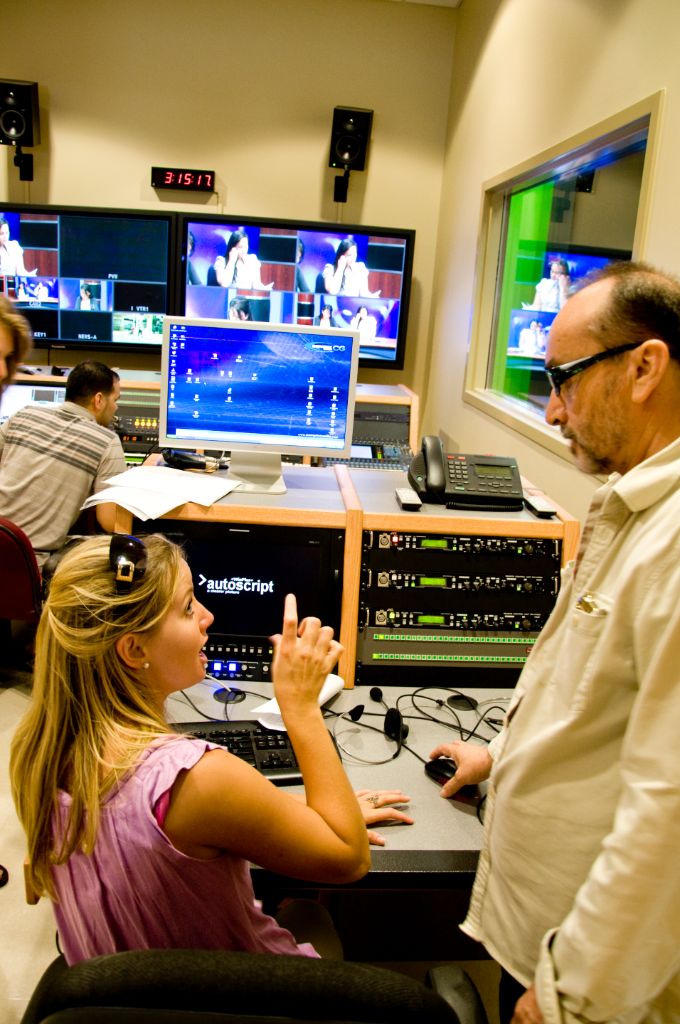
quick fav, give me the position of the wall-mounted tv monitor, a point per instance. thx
(258, 391)
(89, 278)
(301, 272)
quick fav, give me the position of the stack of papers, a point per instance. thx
(151, 491)
(269, 714)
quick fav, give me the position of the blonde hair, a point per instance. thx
(22, 338)
(91, 715)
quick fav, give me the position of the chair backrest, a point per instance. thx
(20, 589)
(216, 987)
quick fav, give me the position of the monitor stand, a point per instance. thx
(257, 472)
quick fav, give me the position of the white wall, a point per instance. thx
(527, 75)
(248, 89)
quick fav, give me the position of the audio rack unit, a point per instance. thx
(447, 605)
(136, 422)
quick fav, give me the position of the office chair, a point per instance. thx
(20, 581)
(175, 986)
(20, 592)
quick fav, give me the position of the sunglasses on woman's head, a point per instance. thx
(127, 558)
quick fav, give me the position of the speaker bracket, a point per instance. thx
(340, 187)
(24, 161)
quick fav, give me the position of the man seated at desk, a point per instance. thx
(52, 458)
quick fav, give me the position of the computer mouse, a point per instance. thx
(441, 769)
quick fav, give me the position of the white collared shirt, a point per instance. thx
(578, 886)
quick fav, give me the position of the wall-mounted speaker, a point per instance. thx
(350, 136)
(19, 114)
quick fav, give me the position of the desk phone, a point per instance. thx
(481, 482)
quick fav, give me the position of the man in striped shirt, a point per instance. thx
(52, 458)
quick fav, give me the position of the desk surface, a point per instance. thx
(442, 847)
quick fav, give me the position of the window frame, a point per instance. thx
(560, 159)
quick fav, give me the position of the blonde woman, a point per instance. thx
(142, 837)
(16, 341)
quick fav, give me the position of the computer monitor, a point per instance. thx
(89, 278)
(21, 393)
(259, 391)
(301, 272)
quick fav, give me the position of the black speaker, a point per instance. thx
(19, 114)
(349, 138)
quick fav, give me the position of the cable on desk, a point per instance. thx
(338, 716)
(465, 734)
(211, 718)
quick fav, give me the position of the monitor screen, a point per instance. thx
(22, 393)
(87, 278)
(257, 390)
(242, 573)
(301, 272)
(530, 326)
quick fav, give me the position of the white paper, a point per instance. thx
(151, 491)
(142, 504)
(269, 714)
(203, 488)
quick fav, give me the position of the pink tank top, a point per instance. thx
(136, 891)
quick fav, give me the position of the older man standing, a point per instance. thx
(577, 893)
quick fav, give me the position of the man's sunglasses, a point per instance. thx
(557, 375)
(127, 558)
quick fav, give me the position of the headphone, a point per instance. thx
(394, 726)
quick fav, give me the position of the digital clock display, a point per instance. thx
(183, 178)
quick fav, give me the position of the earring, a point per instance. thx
(145, 665)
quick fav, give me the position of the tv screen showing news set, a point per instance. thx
(87, 278)
(105, 279)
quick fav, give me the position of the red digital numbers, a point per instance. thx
(182, 178)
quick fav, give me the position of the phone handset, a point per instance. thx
(427, 472)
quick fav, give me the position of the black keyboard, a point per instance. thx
(267, 750)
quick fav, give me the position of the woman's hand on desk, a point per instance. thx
(473, 764)
(378, 805)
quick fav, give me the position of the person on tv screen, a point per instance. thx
(552, 292)
(239, 268)
(532, 339)
(325, 317)
(239, 309)
(87, 299)
(11, 253)
(301, 283)
(346, 275)
(192, 273)
(41, 292)
(365, 324)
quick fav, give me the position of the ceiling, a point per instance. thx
(433, 3)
